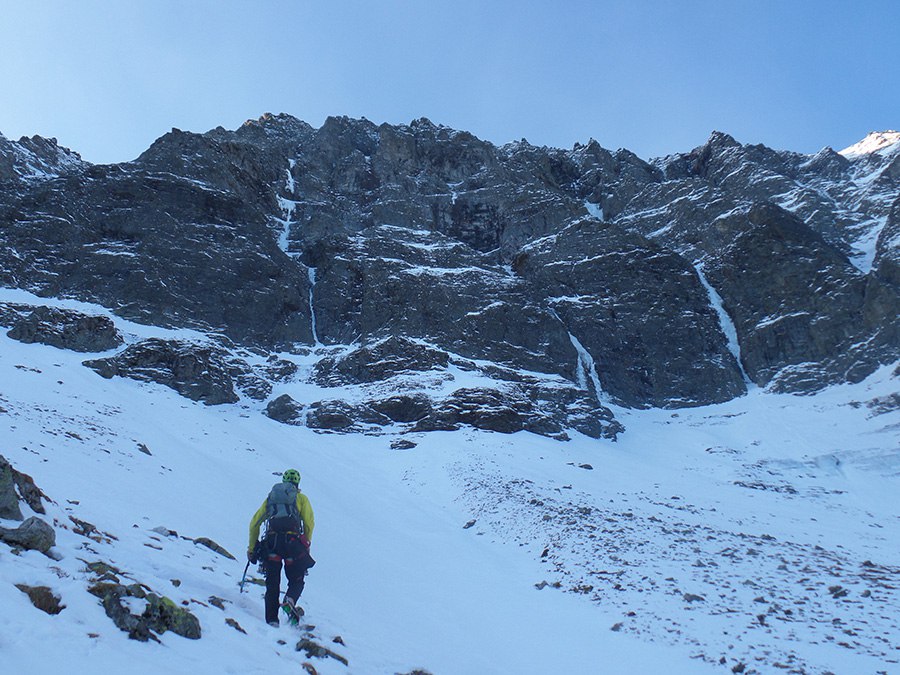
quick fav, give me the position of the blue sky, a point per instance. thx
(656, 77)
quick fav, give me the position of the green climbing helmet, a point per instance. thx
(291, 476)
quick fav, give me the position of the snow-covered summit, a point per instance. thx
(876, 141)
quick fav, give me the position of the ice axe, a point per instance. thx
(244, 578)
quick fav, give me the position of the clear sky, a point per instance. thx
(655, 76)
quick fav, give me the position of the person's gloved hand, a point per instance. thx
(251, 556)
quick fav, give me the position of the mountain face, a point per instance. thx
(671, 283)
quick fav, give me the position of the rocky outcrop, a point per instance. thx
(43, 598)
(11, 312)
(160, 613)
(9, 498)
(67, 329)
(339, 415)
(545, 409)
(511, 410)
(16, 486)
(213, 546)
(35, 158)
(378, 361)
(199, 372)
(403, 408)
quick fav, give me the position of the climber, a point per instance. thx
(289, 526)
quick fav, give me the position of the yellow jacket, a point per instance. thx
(306, 513)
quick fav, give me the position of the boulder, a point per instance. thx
(285, 409)
(314, 649)
(33, 534)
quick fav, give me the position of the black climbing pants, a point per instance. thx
(284, 548)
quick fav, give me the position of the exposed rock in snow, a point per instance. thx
(67, 329)
(33, 534)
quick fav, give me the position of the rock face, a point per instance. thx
(392, 281)
(790, 336)
(640, 313)
(665, 283)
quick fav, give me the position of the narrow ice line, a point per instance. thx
(594, 209)
(290, 185)
(284, 235)
(287, 209)
(865, 246)
(586, 368)
(312, 308)
(725, 322)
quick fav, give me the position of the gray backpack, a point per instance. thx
(281, 509)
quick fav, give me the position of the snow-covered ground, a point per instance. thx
(759, 532)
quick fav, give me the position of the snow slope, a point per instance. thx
(875, 141)
(583, 557)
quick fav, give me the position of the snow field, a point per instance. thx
(401, 579)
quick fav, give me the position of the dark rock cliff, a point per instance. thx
(663, 283)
